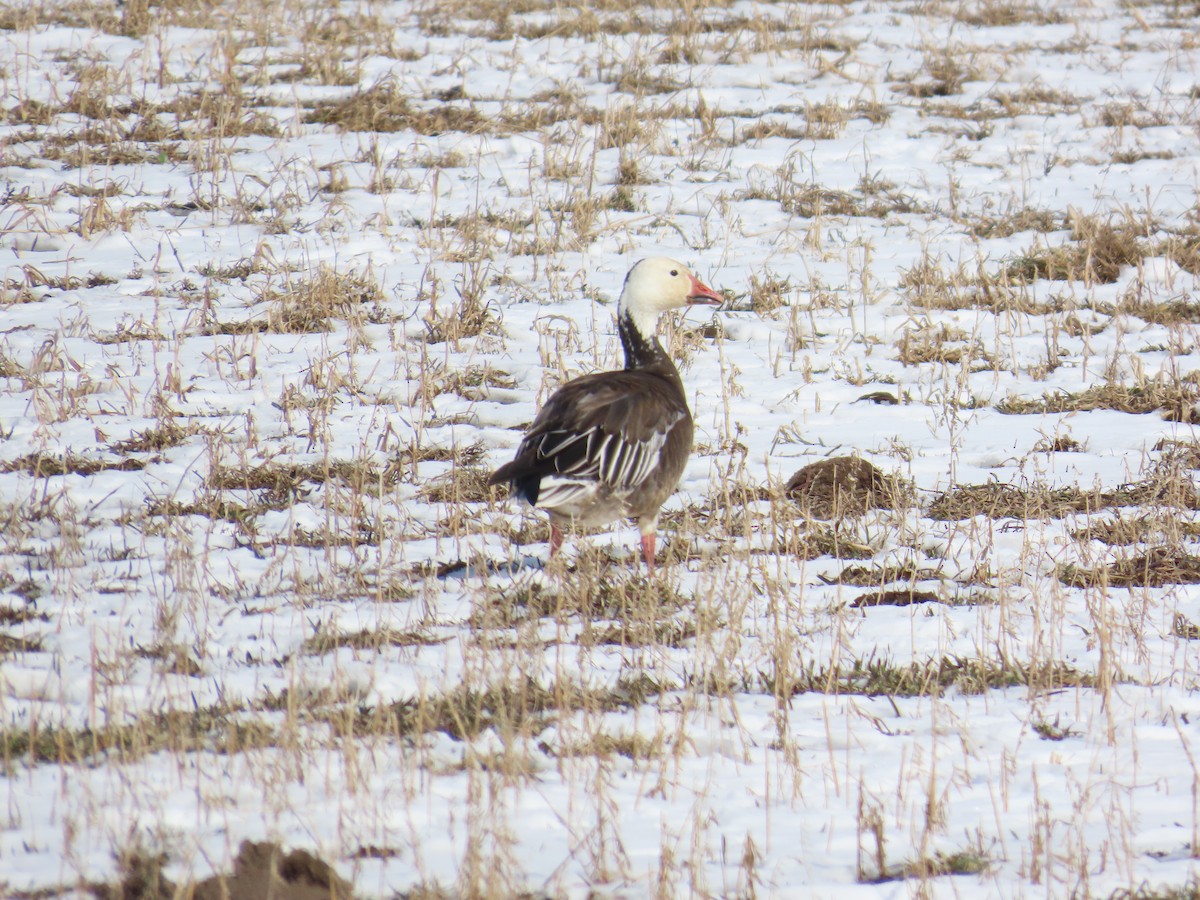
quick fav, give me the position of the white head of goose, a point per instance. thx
(615, 444)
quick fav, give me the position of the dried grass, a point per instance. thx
(1136, 399)
(1156, 567)
(1002, 501)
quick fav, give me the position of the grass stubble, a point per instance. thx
(276, 505)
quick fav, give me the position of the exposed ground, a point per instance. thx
(283, 282)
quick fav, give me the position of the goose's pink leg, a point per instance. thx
(648, 549)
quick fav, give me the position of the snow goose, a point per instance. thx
(615, 444)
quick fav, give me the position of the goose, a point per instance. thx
(614, 444)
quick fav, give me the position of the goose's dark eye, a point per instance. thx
(674, 272)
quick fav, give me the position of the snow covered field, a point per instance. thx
(282, 283)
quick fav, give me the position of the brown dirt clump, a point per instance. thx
(262, 871)
(842, 486)
(894, 597)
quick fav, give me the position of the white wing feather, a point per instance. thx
(619, 464)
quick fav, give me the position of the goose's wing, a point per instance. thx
(601, 432)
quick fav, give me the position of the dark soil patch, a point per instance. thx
(842, 486)
(878, 576)
(262, 871)
(894, 597)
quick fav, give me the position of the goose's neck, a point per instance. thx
(642, 349)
